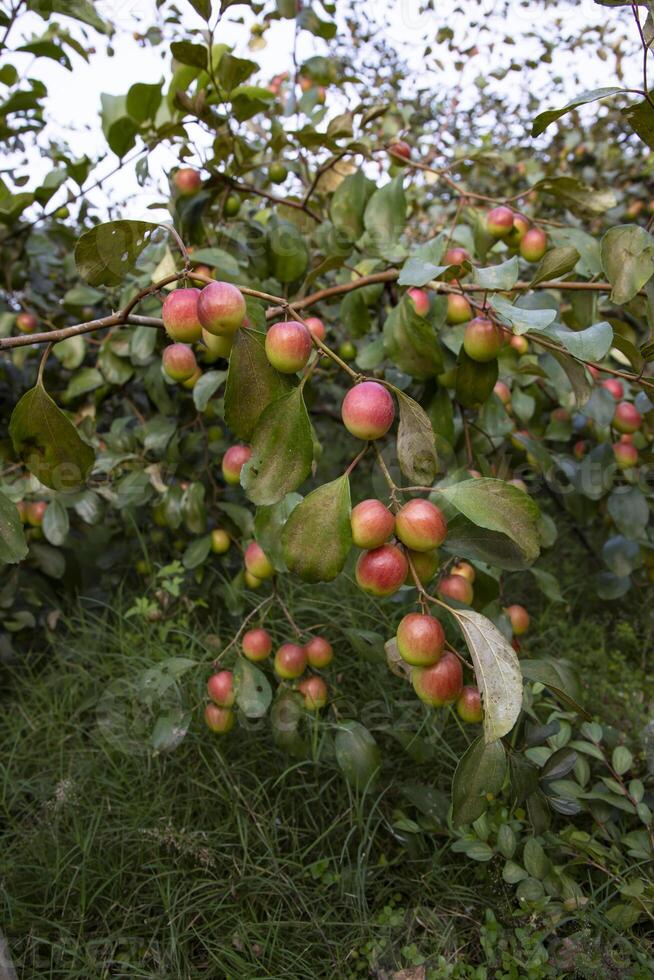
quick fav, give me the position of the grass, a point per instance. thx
(226, 858)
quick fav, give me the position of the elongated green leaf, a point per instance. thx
(357, 755)
(498, 506)
(559, 677)
(640, 117)
(416, 443)
(288, 256)
(555, 263)
(348, 204)
(105, 254)
(627, 253)
(577, 195)
(410, 342)
(56, 523)
(252, 383)
(474, 380)
(317, 537)
(48, 443)
(13, 546)
(268, 525)
(481, 771)
(497, 672)
(385, 217)
(282, 450)
(545, 119)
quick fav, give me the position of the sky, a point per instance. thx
(74, 97)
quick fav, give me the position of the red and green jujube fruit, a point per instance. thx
(290, 661)
(382, 571)
(456, 587)
(519, 343)
(219, 720)
(179, 362)
(465, 569)
(314, 692)
(187, 180)
(627, 418)
(499, 221)
(519, 619)
(399, 148)
(482, 339)
(368, 410)
(425, 564)
(221, 308)
(316, 327)
(439, 684)
(319, 651)
(615, 387)
(251, 580)
(191, 382)
(468, 705)
(533, 245)
(220, 541)
(217, 346)
(257, 561)
(459, 309)
(456, 256)
(420, 300)
(420, 525)
(503, 392)
(372, 524)
(521, 226)
(256, 644)
(180, 315)
(626, 454)
(26, 322)
(35, 512)
(220, 688)
(288, 346)
(420, 639)
(233, 462)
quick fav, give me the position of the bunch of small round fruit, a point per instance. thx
(290, 662)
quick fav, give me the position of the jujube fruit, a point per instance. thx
(420, 639)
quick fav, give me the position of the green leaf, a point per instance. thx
(498, 506)
(285, 718)
(480, 771)
(640, 117)
(357, 755)
(416, 443)
(206, 388)
(252, 383)
(233, 71)
(627, 253)
(189, 54)
(502, 276)
(424, 264)
(225, 264)
(385, 217)
(202, 7)
(288, 255)
(80, 10)
(119, 128)
(572, 192)
(474, 380)
(519, 318)
(105, 254)
(410, 342)
(13, 546)
(555, 263)
(317, 537)
(348, 204)
(56, 523)
(282, 450)
(197, 552)
(48, 442)
(630, 511)
(268, 525)
(545, 119)
(253, 691)
(497, 672)
(559, 677)
(591, 344)
(143, 101)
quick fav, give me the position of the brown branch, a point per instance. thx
(244, 188)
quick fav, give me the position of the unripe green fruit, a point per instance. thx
(288, 346)
(217, 346)
(319, 652)
(251, 580)
(425, 564)
(256, 644)
(347, 351)
(372, 524)
(420, 525)
(290, 661)
(219, 720)
(278, 173)
(368, 410)
(232, 206)
(314, 692)
(482, 340)
(221, 308)
(257, 562)
(220, 541)
(233, 462)
(533, 245)
(382, 571)
(178, 361)
(459, 309)
(439, 684)
(468, 706)
(220, 688)
(191, 382)
(180, 315)
(420, 640)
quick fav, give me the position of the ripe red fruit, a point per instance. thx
(468, 705)
(233, 462)
(519, 229)
(627, 418)
(187, 180)
(257, 561)
(220, 720)
(382, 571)
(615, 387)
(519, 619)
(35, 512)
(398, 148)
(290, 661)
(220, 688)
(179, 362)
(288, 346)
(256, 644)
(439, 684)
(499, 221)
(319, 651)
(26, 322)
(579, 449)
(456, 256)
(533, 245)
(465, 569)
(420, 640)
(456, 587)
(420, 525)
(503, 392)
(626, 454)
(482, 339)
(459, 309)
(314, 691)
(368, 410)
(372, 524)
(425, 564)
(316, 327)
(180, 315)
(420, 300)
(221, 308)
